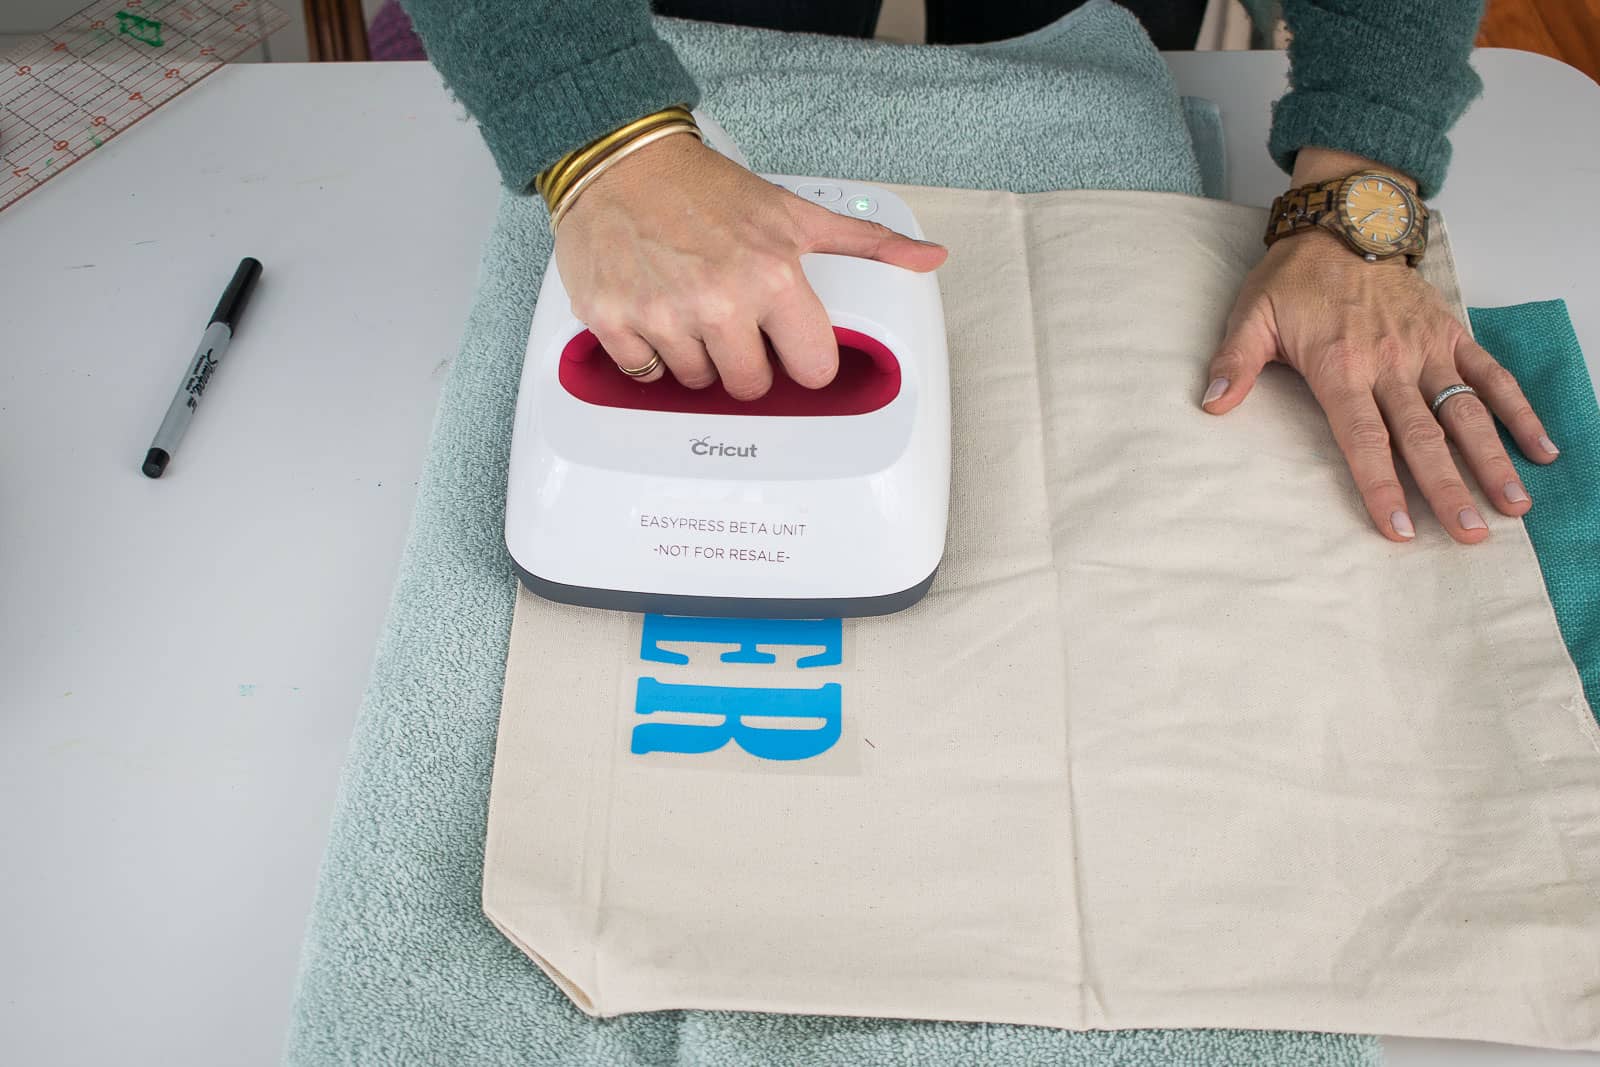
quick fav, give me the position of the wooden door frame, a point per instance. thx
(336, 30)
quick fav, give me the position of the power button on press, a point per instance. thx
(861, 206)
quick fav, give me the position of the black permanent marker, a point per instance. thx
(213, 343)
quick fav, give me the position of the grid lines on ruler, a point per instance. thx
(66, 92)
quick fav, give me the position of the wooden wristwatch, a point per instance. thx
(1374, 213)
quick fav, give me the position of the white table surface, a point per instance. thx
(183, 659)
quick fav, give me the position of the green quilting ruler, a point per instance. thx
(69, 90)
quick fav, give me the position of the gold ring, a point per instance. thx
(648, 368)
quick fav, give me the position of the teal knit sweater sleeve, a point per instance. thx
(1385, 79)
(543, 77)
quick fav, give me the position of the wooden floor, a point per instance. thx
(1569, 30)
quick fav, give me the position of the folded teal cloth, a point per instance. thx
(1536, 342)
(399, 965)
(1084, 103)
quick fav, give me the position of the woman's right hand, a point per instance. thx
(679, 251)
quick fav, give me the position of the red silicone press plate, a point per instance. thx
(868, 378)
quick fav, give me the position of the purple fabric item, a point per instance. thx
(391, 37)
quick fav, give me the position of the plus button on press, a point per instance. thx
(820, 194)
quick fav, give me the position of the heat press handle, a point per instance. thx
(868, 378)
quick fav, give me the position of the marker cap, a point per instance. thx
(237, 294)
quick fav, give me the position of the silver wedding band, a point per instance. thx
(640, 372)
(1446, 394)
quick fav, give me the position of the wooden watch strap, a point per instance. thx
(1321, 205)
(1301, 209)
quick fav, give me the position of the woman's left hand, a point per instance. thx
(1376, 343)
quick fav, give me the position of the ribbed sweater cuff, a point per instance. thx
(532, 126)
(1387, 135)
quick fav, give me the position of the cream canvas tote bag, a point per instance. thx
(1175, 740)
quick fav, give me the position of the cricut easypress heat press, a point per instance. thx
(803, 504)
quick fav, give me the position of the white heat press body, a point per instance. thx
(804, 504)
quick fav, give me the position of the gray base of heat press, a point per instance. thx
(726, 607)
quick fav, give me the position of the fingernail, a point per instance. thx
(1515, 493)
(1471, 520)
(1549, 446)
(1402, 525)
(1217, 387)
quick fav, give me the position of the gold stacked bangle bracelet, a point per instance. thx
(575, 171)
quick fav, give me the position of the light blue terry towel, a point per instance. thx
(1086, 102)
(399, 965)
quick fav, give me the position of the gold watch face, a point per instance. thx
(1378, 211)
